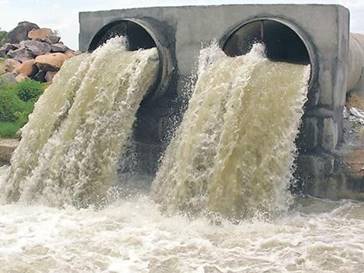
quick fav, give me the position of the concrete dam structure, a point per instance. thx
(317, 35)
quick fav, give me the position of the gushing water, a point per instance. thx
(70, 147)
(132, 236)
(234, 151)
(80, 125)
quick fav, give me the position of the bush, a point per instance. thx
(10, 104)
(29, 90)
(16, 103)
(3, 35)
(9, 129)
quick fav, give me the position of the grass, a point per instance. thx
(16, 103)
(9, 129)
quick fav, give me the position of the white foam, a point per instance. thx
(133, 236)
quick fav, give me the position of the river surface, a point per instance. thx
(132, 235)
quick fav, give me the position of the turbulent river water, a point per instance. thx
(132, 236)
(226, 158)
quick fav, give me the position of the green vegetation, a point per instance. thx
(29, 90)
(2, 37)
(9, 129)
(16, 103)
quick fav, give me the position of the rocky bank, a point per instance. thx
(31, 52)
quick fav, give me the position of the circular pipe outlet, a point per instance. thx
(140, 35)
(283, 40)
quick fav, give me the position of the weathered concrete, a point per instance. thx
(324, 29)
(7, 147)
(179, 33)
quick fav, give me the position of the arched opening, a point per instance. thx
(137, 36)
(141, 34)
(142, 156)
(281, 41)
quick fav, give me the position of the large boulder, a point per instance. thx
(20, 32)
(11, 65)
(36, 47)
(71, 53)
(27, 68)
(6, 48)
(7, 78)
(50, 75)
(2, 66)
(40, 76)
(44, 35)
(59, 47)
(21, 77)
(22, 54)
(50, 62)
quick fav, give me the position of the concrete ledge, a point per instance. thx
(7, 147)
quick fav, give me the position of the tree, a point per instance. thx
(3, 34)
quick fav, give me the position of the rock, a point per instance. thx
(44, 35)
(2, 66)
(22, 54)
(20, 32)
(50, 62)
(50, 75)
(7, 78)
(7, 147)
(70, 53)
(27, 68)
(355, 101)
(40, 76)
(36, 47)
(59, 47)
(11, 65)
(354, 162)
(18, 133)
(21, 77)
(6, 48)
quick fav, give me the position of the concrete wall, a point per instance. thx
(181, 31)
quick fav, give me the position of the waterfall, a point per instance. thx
(233, 153)
(232, 156)
(73, 140)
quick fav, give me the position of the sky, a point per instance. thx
(63, 15)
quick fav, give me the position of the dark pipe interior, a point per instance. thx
(136, 35)
(282, 43)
